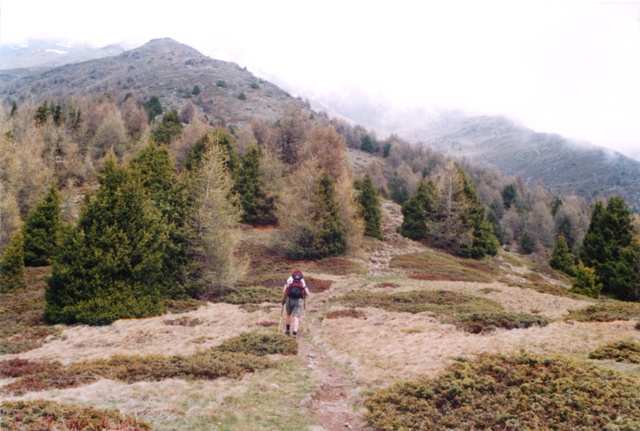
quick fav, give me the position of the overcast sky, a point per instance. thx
(563, 67)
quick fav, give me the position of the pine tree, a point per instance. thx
(417, 211)
(41, 229)
(610, 249)
(258, 208)
(12, 266)
(370, 207)
(561, 258)
(109, 266)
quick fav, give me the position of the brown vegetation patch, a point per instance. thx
(621, 351)
(21, 325)
(348, 313)
(506, 393)
(607, 312)
(42, 415)
(317, 285)
(251, 295)
(431, 265)
(177, 306)
(388, 284)
(337, 266)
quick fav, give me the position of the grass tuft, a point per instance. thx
(501, 393)
(44, 415)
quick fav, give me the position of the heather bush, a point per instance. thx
(43, 415)
(251, 295)
(260, 343)
(500, 393)
(621, 351)
(607, 312)
(480, 323)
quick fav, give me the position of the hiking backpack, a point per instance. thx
(296, 288)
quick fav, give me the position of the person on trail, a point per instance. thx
(293, 294)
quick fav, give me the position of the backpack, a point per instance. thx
(296, 288)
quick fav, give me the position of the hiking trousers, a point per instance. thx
(294, 306)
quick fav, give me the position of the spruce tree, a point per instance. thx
(154, 169)
(417, 210)
(41, 229)
(484, 242)
(257, 207)
(332, 240)
(609, 248)
(370, 207)
(586, 282)
(561, 258)
(218, 137)
(169, 128)
(109, 266)
(12, 266)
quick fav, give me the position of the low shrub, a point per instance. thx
(208, 364)
(439, 302)
(260, 343)
(21, 325)
(349, 312)
(442, 266)
(621, 351)
(481, 323)
(502, 393)
(252, 295)
(43, 415)
(607, 312)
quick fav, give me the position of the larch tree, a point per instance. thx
(41, 230)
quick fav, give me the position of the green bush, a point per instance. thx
(442, 303)
(260, 343)
(586, 282)
(41, 415)
(480, 323)
(252, 295)
(607, 312)
(501, 393)
(12, 275)
(621, 351)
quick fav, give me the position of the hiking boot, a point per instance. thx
(287, 333)
(294, 335)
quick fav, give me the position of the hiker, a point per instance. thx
(293, 294)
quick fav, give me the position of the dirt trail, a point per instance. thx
(332, 403)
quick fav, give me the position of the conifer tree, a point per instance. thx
(610, 249)
(154, 169)
(586, 282)
(484, 242)
(370, 207)
(561, 258)
(417, 211)
(218, 137)
(41, 229)
(109, 266)
(169, 128)
(257, 207)
(332, 240)
(12, 266)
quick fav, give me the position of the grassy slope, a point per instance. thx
(368, 349)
